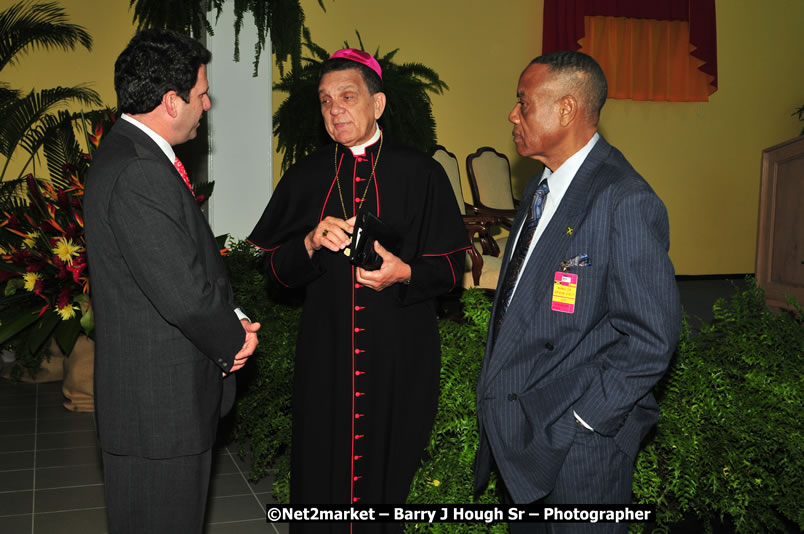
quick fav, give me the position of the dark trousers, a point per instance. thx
(146, 496)
(595, 471)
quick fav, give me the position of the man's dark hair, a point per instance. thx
(373, 82)
(153, 63)
(581, 72)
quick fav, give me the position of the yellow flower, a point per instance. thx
(66, 250)
(67, 312)
(30, 280)
(436, 482)
(30, 241)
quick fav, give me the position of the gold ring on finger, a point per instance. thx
(324, 233)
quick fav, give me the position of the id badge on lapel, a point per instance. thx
(565, 287)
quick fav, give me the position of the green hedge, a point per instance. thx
(728, 446)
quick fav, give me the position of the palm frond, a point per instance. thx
(27, 25)
(280, 20)
(23, 120)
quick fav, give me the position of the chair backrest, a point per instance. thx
(490, 179)
(450, 163)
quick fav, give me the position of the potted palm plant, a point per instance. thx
(29, 126)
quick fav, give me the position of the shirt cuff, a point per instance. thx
(583, 423)
(241, 315)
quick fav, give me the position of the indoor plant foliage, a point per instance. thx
(44, 265)
(281, 20)
(262, 414)
(446, 476)
(26, 119)
(408, 115)
(727, 444)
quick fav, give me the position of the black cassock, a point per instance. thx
(367, 363)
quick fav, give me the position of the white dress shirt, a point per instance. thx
(558, 181)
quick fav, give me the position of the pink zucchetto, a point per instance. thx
(359, 56)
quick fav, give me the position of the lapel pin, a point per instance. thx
(569, 230)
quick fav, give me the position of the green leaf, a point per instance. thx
(14, 320)
(66, 332)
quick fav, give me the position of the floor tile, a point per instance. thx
(17, 399)
(55, 410)
(16, 502)
(238, 508)
(17, 443)
(19, 426)
(61, 477)
(223, 463)
(10, 461)
(72, 522)
(16, 524)
(253, 526)
(14, 413)
(74, 422)
(65, 499)
(265, 485)
(66, 440)
(16, 480)
(228, 484)
(65, 457)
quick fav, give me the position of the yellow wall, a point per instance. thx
(703, 159)
(110, 25)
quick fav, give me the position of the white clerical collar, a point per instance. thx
(360, 150)
(158, 139)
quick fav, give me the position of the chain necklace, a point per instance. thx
(368, 185)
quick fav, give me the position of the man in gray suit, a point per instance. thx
(586, 314)
(168, 332)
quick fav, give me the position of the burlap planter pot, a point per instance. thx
(78, 376)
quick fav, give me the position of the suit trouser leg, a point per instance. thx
(595, 471)
(156, 496)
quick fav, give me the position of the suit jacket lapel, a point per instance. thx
(537, 275)
(143, 141)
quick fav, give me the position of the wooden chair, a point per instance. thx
(477, 226)
(490, 180)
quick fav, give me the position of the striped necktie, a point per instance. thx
(520, 253)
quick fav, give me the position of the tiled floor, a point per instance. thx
(51, 480)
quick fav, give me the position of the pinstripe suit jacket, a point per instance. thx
(165, 325)
(601, 361)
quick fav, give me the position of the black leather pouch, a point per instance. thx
(368, 229)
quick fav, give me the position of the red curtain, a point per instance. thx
(565, 26)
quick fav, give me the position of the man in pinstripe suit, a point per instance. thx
(587, 312)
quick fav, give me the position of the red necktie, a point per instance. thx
(180, 167)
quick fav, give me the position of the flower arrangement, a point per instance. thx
(43, 262)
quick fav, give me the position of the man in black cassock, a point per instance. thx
(368, 353)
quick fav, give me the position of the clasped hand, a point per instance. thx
(249, 345)
(335, 234)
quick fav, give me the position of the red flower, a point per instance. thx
(64, 298)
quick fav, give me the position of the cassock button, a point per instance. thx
(358, 373)
(549, 346)
(355, 499)
(357, 200)
(512, 396)
(357, 286)
(358, 457)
